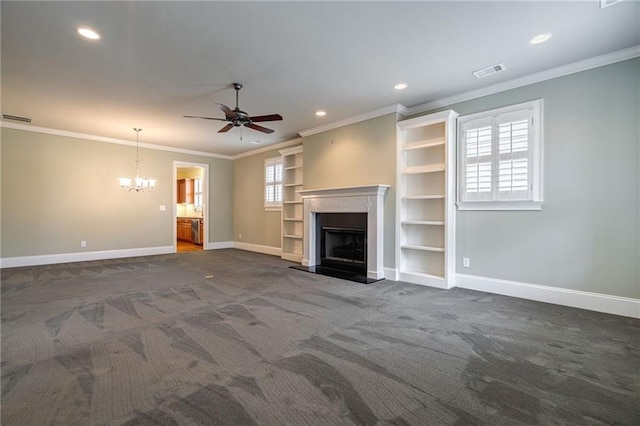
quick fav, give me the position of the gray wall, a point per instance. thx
(586, 236)
(250, 218)
(363, 153)
(57, 191)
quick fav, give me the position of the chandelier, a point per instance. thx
(137, 184)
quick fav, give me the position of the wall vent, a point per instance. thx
(607, 3)
(489, 70)
(16, 118)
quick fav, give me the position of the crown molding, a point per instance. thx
(397, 108)
(584, 65)
(268, 148)
(87, 136)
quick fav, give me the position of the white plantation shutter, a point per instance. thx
(273, 182)
(514, 171)
(477, 157)
(197, 193)
(500, 155)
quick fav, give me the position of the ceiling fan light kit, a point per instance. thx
(238, 118)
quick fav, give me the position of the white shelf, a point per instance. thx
(292, 221)
(423, 222)
(422, 248)
(424, 144)
(423, 197)
(425, 212)
(425, 272)
(432, 168)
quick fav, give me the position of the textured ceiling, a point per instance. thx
(158, 61)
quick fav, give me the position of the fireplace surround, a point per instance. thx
(355, 199)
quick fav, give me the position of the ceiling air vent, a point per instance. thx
(16, 118)
(489, 70)
(607, 3)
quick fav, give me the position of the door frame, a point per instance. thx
(177, 164)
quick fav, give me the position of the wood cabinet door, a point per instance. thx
(184, 230)
(180, 191)
(185, 189)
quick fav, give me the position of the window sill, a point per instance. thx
(500, 205)
(272, 209)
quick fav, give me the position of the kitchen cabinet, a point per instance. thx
(185, 191)
(183, 229)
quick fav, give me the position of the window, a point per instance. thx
(500, 159)
(197, 194)
(273, 183)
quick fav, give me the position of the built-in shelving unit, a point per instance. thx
(292, 217)
(425, 203)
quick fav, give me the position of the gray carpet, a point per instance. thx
(237, 338)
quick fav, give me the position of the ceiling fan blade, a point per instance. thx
(227, 111)
(206, 118)
(226, 128)
(259, 128)
(271, 117)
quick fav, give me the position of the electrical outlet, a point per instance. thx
(83, 243)
(163, 208)
(465, 262)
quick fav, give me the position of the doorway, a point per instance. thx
(190, 212)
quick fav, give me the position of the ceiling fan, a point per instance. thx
(237, 117)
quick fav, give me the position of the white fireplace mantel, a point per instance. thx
(353, 199)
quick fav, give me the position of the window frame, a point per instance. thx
(276, 204)
(198, 194)
(535, 143)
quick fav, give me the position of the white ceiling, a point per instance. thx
(158, 61)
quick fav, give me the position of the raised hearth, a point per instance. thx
(357, 199)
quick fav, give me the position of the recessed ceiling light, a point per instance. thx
(88, 33)
(400, 86)
(321, 113)
(540, 38)
(256, 142)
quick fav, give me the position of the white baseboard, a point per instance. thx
(624, 306)
(218, 245)
(275, 251)
(391, 274)
(49, 259)
(297, 258)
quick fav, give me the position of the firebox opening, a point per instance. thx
(344, 248)
(342, 241)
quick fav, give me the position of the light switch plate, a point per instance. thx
(163, 208)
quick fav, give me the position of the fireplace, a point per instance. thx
(342, 241)
(359, 237)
